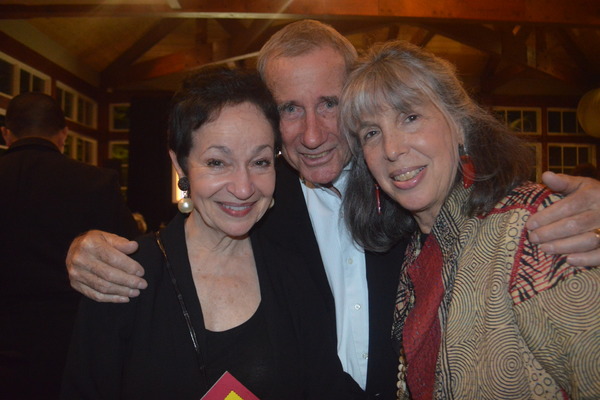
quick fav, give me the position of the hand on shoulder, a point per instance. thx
(99, 267)
(570, 226)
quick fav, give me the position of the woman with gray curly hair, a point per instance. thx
(481, 312)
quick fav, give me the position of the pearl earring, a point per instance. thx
(185, 204)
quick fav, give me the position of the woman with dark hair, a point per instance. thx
(481, 312)
(213, 303)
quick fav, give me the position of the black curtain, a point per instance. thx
(149, 182)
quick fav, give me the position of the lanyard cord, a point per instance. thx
(186, 315)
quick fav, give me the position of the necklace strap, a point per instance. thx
(184, 310)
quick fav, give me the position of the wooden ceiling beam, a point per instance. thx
(522, 32)
(265, 29)
(514, 46)
(232, 26)
(573, 50)
(187, 61)
(393, 32)
(486, 79)
(500, 77)
(155, 34)
(201, 32)
(511, 48)
(421, 37)
(241, 37)
(480, 37)
(573, 13)
(541, 60)
(246, 39)
(163, 66)
(531, 11)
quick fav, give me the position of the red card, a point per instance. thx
(228, 388)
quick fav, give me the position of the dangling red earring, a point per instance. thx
(468, 169)
(378, 198)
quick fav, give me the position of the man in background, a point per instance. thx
(46, 200)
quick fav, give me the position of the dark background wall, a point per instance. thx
(149, 183)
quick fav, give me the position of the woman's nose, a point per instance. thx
(241, 185)
(394, 146)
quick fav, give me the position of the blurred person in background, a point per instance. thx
(46, 200)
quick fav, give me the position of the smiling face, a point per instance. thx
(231, 171)
(307, 90)
(413, 156)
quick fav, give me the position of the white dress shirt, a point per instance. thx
(345, 267)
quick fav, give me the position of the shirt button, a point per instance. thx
(365, 356)
(357, 306)
(350, 261)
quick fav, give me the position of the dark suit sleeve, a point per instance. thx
(383, 271)
(296, 292)
(325, 375)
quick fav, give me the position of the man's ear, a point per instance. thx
(61, 138)
(8, 136)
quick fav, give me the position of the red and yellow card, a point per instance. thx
(228, 388)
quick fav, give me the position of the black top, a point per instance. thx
(46, 200)
(143, 349)
(241, 351)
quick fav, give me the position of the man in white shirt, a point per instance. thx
(305, 66)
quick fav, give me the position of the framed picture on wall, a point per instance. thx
(119, 117)
(118, 158)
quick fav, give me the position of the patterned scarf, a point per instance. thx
(422, 300)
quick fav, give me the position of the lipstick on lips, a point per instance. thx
(237, 210)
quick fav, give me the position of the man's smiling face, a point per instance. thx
(307, 90)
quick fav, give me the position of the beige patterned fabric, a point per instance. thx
(516, 323)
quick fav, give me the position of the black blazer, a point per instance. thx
(288, 225)
(46, 200)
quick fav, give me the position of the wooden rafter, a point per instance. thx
(421, 37)
(161, 29)
(573, 50)
(512, 34)
(573, 12)
(162, 66)
(393, 32)
(512, 49)
(242, 38)
(500, 76)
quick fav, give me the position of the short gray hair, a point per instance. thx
(301, 37)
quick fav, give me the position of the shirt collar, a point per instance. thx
(33, 141)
